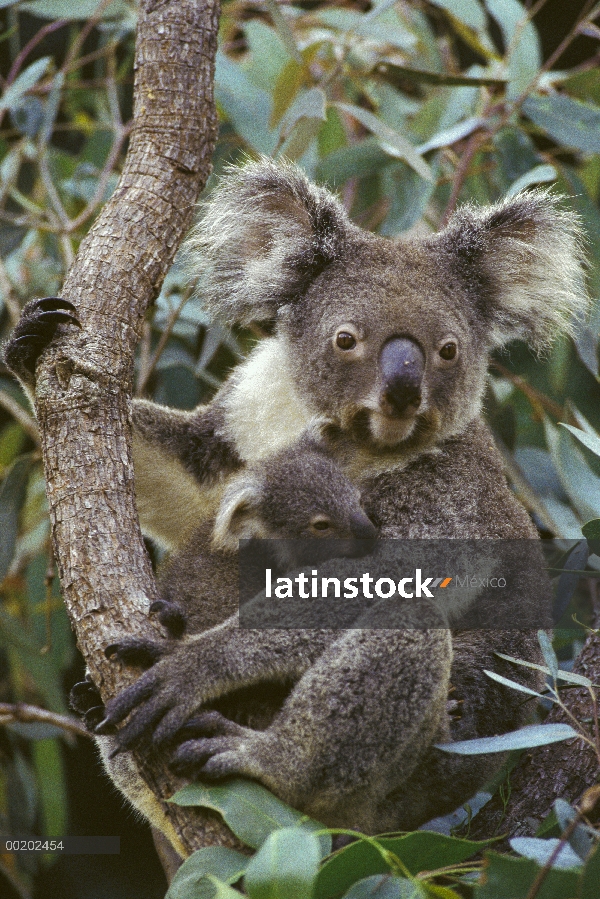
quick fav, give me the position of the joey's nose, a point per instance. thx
(401, 363)
(362, 527)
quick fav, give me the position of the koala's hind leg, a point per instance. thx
(353, 729)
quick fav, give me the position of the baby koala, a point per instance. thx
(296, 494)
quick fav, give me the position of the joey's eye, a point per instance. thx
(345, 340)
(448, 351)
(320, 524)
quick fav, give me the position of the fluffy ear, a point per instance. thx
(523, 260)
(238, 515)
(265, 234)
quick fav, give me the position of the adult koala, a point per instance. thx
(389, 342)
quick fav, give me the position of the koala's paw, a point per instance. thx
(87, 702)
(171, 616)
(34, 331)
(222, 748)
(137, 651)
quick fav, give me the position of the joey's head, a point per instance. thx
(388, 340)
(297, 494)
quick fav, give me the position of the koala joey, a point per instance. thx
(388, 341)
(297, 494)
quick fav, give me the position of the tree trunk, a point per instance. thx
(84, 386)
(544, 774)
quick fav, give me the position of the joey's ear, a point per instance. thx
(265, 234)
(523, 260)
(238, 515)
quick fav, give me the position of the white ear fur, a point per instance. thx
(237, 517)
(528, 251)
(266, 232)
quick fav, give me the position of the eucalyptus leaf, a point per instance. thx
(506, 876)
(591, 441)
(540, 851)
(548, 653)
(395, 74)
(24, 82)
(525, 738)
(567, 676)
(285, 867)
(450, 136)
(390, 141)
(82, 9)
(582, 838)
(249, 809)
(512, 684)
(382, 887)
(579, 481)
(12, 497)
(569, 122)
(540, 174)
(522, 43)
(191, 878)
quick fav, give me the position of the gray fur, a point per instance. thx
(272, 245)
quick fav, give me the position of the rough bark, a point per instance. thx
(544, 774)
(83, 387)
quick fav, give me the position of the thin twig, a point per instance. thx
(107, 171)
(20, 711)
(26, 421)
(147, 374)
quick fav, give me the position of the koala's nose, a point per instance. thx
(362, 527)
(402, 363)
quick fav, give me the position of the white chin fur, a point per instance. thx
(390, 431)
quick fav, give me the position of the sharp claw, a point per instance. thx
(58, 317)
(55, 303)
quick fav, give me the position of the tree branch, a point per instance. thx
(84, 385)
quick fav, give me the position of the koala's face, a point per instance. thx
(305, 495)
(388, 340)
(383, 344)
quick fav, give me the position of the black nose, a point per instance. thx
(402, 363)
(362, 527)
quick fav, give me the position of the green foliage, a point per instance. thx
(388, 108)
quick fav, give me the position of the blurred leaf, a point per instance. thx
(591, 441)
(357, 160)
(390, 141)
(588, 887)
(285, 867)
(23, 82)
(308, 104)
(283, 29)
(396, 74)
(569, 122)
(12, 497)
(408, 194)
(245, 105)
(591, 530)
(451, 135)
(582, 838)
(541, 850)
(525, 738)
(378, 887)
(541, 174)
(581, 484)
(567, 583)
(191, 878)
(468, 11)
(505, 876)
(27, 115)
(51, 786)
(561, 675)
(511, 683)
(82, 9)
(521, 42)
(548, 653)
(249, 809)
(418, 851)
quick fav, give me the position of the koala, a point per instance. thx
(299, 495)
(388, 342)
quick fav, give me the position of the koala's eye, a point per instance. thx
(320, 524)
(448, 351)
(345, 340)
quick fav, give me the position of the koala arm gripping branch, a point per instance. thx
(202, 669)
